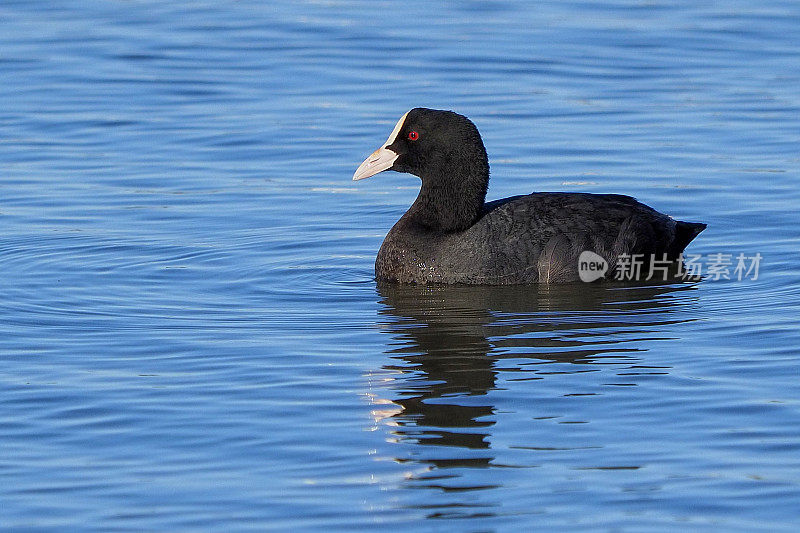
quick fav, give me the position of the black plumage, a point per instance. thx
(450, 235)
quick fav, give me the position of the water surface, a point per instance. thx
(190, 335)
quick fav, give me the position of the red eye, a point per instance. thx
(413, 135)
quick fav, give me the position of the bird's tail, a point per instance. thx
(685, 232)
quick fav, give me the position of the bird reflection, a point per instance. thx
(448, 343)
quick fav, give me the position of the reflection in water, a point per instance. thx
(450, 344)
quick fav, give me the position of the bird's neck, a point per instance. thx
(450, 203)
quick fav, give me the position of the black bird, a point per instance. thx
(450, 235)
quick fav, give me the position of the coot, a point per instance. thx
(451, 235)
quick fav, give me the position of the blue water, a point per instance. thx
(190, 335)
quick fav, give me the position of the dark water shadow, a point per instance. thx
(449, 345)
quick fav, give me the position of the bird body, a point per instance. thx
(450, 235)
